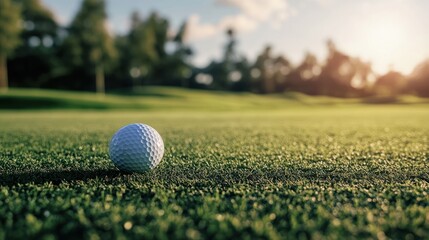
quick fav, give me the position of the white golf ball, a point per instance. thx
(136, 148)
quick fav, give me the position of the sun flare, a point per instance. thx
(384, 38)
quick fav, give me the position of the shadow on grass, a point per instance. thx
(381, 100)
(206, 177)
(57, 176)
(20, 102)
(8, 102)
(142, 92)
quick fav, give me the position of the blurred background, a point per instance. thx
(349, 49)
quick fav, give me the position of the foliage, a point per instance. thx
(37, 54)
(9, 26)
(232, 72)
(274, 175)
(9, 36)
(264, 65)
(179, 65)
(144, 58)
(138, 50)
(88, 45)
(153, 53)
(419, 79)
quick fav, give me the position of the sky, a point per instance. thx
(391, 34)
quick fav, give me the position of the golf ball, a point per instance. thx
(136, 147)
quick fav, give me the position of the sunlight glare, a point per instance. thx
(386, 37)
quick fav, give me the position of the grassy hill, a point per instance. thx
(166, 98)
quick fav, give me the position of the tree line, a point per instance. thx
(35, 51)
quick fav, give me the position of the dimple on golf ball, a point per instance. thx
(136, 147)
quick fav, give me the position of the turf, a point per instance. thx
(311, 172)
(178, 99)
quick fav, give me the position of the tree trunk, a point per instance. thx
(99, 79)
(3, 73)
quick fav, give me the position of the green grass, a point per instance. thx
(156, 98)
(353, 171)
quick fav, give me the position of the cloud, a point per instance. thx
(324, 2)
(199, 30)
(252, 13)
(239, 22)
(261, 10)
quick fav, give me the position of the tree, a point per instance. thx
(89, 43)
(179, 65)
(9, 36)
(304, 77)
(35, 62)
(138, 53)
(230, 55)
(157, 26)
(241, 75)
(343, 75)
(418, 81)
(264, 66)
(281, 72)
(225, 73)
(390, 84)
(148, 49)
(363, 77)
